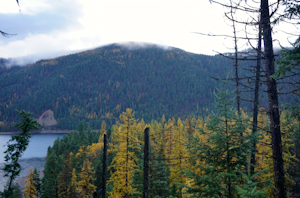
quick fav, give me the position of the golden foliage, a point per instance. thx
(50, 62)
(30, 189)
(179, 155)
(264, 151)
(124, 145)
(85, 186)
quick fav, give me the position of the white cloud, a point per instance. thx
(50, 26)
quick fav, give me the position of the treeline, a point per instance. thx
(188, 158)
(100, 84)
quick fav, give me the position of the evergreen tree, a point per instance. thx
(158, 176)
(98, 180)
(250, 188)
(16, 147)
(16, 192)
(65, 176)
(223, 153)
(38, 182)
(30, 186)
(50, 179)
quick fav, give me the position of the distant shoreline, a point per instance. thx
(43, 132)
(37, 132)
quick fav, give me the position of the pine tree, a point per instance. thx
(38, 182)
(86, 188)
(158, 176)
(125, 145)
(30, 189)
(98, 180)
(50, 179)
(16, 192)
(223, 153)
(65, 177)
(16, 146)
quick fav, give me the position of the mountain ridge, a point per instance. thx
(99, 84)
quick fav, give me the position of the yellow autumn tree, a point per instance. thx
(73, 189)
(124, 144)
(189, 126)
(85, 186)
(95, 149)
(159, 138)
(179, 155)
(140, 129)
(156, 134)
(264, 148)
(30, 189)
(169, 130)
(102, 130)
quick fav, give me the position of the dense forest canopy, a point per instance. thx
(98, 84)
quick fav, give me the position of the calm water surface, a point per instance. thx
(37, 147)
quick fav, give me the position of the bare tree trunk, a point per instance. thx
(236, 66)
(280, 189)
(104, 167)
(146, 164)
(256, 95)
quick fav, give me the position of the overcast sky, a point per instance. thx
(49, 28)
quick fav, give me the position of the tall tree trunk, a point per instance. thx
(104, 169)
(146, 164)
(280, 190)
(256, 95)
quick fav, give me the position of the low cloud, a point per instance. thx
(141, 45)
(30, 59)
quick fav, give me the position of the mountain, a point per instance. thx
(101, 83)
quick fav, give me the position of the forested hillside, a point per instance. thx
(99, 84)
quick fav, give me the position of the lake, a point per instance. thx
(37, 147)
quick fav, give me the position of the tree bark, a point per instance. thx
(104, 167)
(279, 179)
(146, 164)
(256, 95)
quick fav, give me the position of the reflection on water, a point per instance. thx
(37, 146)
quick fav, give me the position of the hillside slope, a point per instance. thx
(99, 84)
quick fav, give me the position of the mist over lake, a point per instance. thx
(37, 146)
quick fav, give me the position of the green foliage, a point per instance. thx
(151, 81)
(290, 60)
(16, 192)
(38, 182)
(98, 180)
(16, 147)
(250, 188)
(51, 174)
(225, 152)
(211, 181)
(158, 177)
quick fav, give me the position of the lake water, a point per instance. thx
(37, 147)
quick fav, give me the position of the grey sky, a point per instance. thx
(49, 28)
